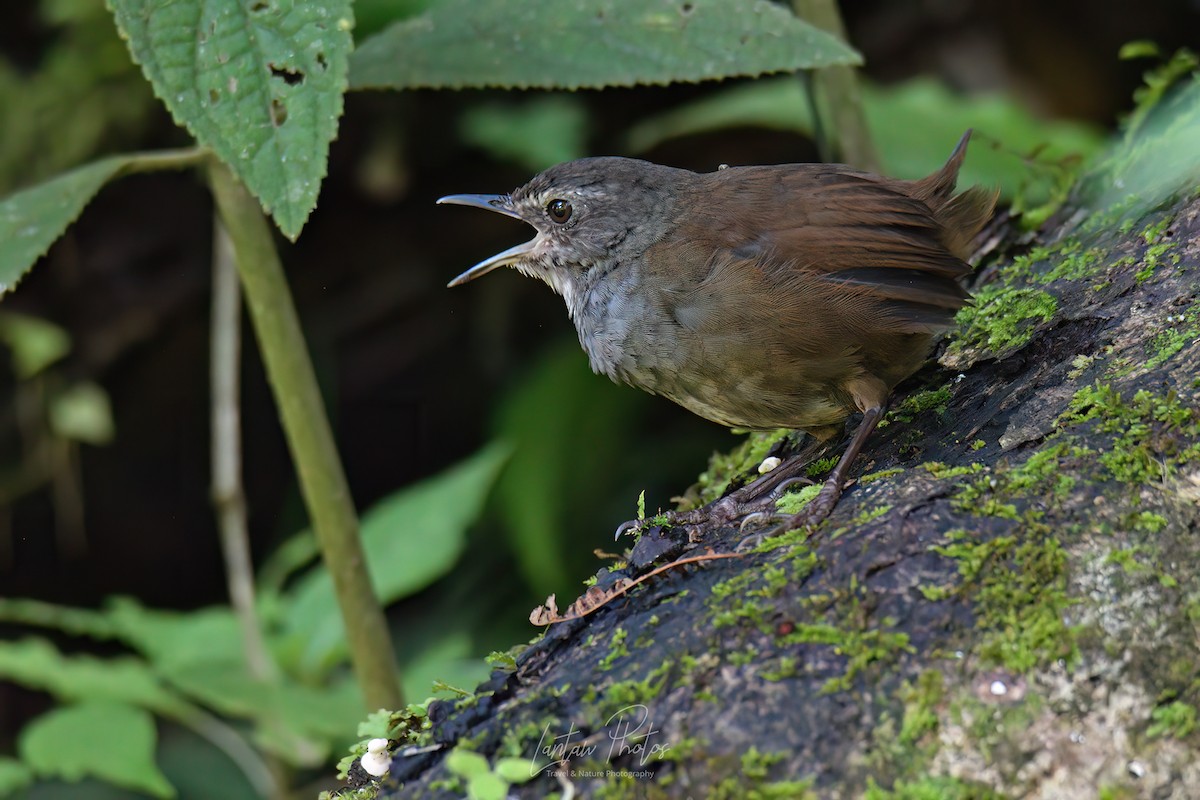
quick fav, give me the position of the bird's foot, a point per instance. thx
(809, 517)
(748, 507)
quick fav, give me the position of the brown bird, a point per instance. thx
(764, 297)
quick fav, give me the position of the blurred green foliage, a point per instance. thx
(184, 666)
(83, 97)
(535, 132)
(570, 429)
(915, 125)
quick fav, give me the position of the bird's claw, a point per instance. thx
(780, 490)
(627, 527)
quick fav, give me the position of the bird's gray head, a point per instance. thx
(590, 215)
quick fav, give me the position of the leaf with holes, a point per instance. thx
(575, 44)
(260, 82)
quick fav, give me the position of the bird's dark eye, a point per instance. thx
(559, 210)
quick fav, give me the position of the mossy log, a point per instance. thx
(1005, 604)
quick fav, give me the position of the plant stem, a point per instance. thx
(837, 86)
(306, 426)
(228, 496)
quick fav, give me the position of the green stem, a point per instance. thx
(838, 87)
(322, 481)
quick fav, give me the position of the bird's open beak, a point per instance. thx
(491, 202)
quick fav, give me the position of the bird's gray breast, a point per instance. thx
(619, 327)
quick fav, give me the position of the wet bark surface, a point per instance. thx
(1005, 604)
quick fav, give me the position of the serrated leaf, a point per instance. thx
(32, 219)
(111, 741)
(411, 539)
(576, 44)
(260, 82)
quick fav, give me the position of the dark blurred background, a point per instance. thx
(417, 377)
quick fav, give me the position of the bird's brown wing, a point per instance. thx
(856, 231)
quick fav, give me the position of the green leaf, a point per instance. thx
(447, 659)
(486, 786)
(82, 412)
(260, 82)
(175, 640)
(371, 16)
(466, 763)
(573, 44)
(411, 539)
(1006, 135)
(35, 343)
(36, 664)
(111, 741)
(32, 219)
(515, 770)
(14, 776)
(545, 478)
(538, 133)
(293, 721)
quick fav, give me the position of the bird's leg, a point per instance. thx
(755, 497)
(820, 506)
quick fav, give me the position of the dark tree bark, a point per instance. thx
(1005, 604)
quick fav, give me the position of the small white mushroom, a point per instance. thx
(377, 759)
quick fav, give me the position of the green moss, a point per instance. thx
(1153, 435)
(869, 514)
(821, 466)
(920, 706)
(618, 785)
(1019, 588)
(1003, 318)
(883, 473)
(740, 598)
(941, 471)
(978, 444)
(931, 788)
(1183, 330)
(1126, 559)
(616, 648)
(1079, 365)
(786, 668)
(623, 694)
(1153, 257)
(738, 788)
(1072, 262)
(368, 792)
(923, 402)
(1148, 521)
(793, 502)
(1176, 720)
(1154, 232)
